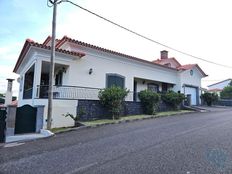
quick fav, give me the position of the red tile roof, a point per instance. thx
(181, 67)
(186, 67)
(215, 90)
(161, 60)
(191, 66)
(65, 39)
(29, 43)
(68, 39)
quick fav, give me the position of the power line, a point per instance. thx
(145, 37)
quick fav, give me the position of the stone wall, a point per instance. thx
(224, 102)
(94, 110)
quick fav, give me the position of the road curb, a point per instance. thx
(119, 122)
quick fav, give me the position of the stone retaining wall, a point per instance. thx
(94, 110)
(224, 102)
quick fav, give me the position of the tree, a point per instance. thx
(112, 98)
(226, 93)
(149, 101)
(209, 98)
(173, 99)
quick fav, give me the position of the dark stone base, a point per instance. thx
(94, 110)
(224, 102)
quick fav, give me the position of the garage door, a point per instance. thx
(193, 93)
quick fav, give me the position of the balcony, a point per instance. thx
(68, 92)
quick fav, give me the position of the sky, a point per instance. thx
(201, 28)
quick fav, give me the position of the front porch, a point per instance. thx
(155, 86)
(38, 75)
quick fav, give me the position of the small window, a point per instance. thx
(191, 72)
(59, 78)
(115, 80)
(153, 87)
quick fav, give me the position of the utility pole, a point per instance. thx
(51, 71)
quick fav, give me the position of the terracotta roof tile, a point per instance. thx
(186, 67)
(215, 90)
(30, 43)
(67, 39)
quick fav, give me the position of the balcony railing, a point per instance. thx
(68, 92)
(77, 92)
(74, 92)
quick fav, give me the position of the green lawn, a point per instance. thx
(134, 117)
(61, 129)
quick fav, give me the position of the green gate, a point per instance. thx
(2, 124)
(25, 119)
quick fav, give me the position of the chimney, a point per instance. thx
(8, 97)
(164, 54)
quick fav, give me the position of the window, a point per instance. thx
(191, 72)
(59, 77)
(28, 83)
(115, 80)
(164, 87)
(153, 87)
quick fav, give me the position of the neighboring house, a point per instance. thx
(215, 90)
(218, 87)
(81, 70)
(13, 103)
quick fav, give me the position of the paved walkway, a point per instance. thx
(27, 137)
(214, 108)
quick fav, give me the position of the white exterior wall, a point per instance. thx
(77, 74)
(220, 85)
(103, 63)
(60, 107)
(192, 80)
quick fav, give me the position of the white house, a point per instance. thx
(218, 87)
(81, 70)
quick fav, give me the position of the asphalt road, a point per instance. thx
(197, 143)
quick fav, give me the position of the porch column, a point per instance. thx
(37, 77)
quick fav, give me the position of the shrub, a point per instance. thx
(227, 92)
(173, 99)
(149, 101)
(209, 98)
(112, 98)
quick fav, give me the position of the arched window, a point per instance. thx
(115, 80)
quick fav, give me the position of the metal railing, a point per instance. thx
(68, 92)
(78, 92)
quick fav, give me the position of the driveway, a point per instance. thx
(197, 143)
(214, 108)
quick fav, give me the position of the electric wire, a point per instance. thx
(145, 37)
